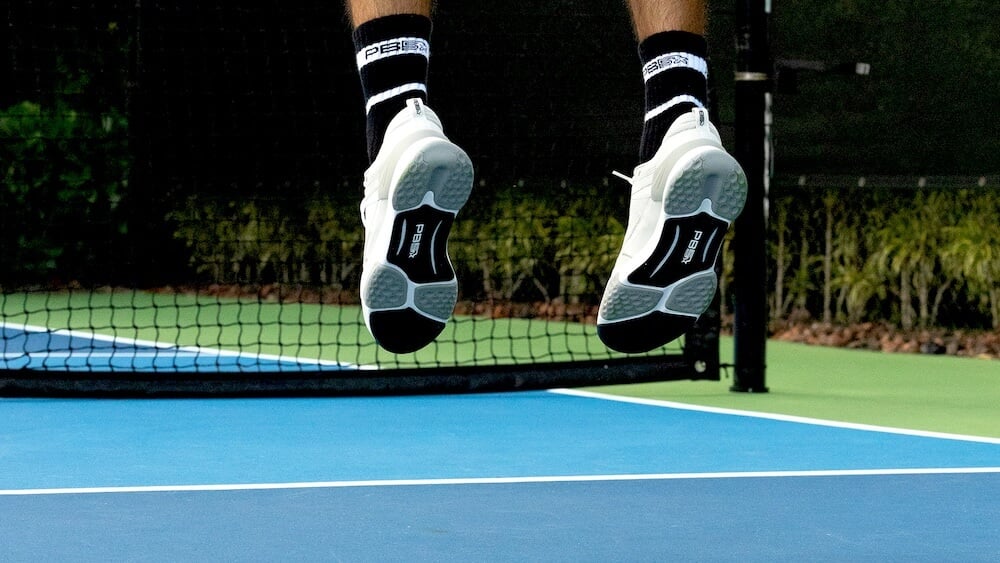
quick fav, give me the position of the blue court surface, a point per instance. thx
(532, 476)
(34, 347)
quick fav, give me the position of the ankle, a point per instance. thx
(675, 72)
(392, 57)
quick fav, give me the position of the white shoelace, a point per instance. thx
(622, 176)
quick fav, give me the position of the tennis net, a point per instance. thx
(180, 201)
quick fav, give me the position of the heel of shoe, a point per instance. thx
(438, 167)
(711, 174)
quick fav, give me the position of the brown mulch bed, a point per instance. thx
(885, 338)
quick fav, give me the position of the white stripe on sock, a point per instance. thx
(391, 48)
(670, 61)
(673, 102)
(383, 96)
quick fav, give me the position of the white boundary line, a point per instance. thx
(196, 350)
(780, 417)
(502, 480)
(574, 478)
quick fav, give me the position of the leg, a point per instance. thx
(685, 193)
(362, 11)
(416, 182)
(654, 16)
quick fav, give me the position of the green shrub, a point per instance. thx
(62, 175)
(912, 258)
(505, 246)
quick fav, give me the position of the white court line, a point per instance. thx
(781, 417)
(190, 350)
(501, 480)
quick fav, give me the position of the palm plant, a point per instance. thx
(908, 251)
(974, 253)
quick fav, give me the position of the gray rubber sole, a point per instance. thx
(430, 191)
(677, 282)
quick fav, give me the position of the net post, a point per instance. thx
(752, 100)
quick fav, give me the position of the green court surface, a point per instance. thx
(933, 393)
(303, 330)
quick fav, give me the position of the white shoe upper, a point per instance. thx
(412, 125)
(688, 133)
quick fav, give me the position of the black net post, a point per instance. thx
(752, 98)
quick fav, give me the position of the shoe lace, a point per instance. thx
(622, 176)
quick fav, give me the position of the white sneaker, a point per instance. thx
(683, 200)
(417, 183)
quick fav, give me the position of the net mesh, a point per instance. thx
(181, 183)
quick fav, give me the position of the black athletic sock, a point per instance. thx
(676, 76)
(392, 57)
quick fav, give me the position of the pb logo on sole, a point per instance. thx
(415, 241)
(691, 247)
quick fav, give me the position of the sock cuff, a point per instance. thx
(391, 36)
(674, 60)
(672, 41)
(374, 52)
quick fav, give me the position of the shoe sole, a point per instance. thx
(661, 298)
(412, 292)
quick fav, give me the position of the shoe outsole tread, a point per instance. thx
(412, 289)
(662, 297)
